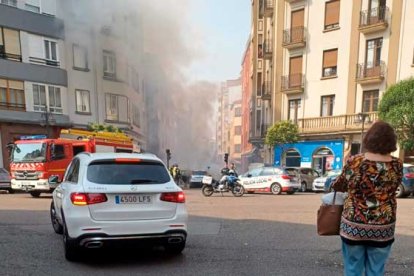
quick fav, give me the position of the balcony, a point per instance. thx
(292, 84)
(268, 49)
(374, 20)
(369, 73)
(292, 1)
(267, 91)
(334, 124)
(294, 38)
(266, 7)
(43, 61)
(12, 106)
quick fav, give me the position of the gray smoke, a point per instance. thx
(180, 113)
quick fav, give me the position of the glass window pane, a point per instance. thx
(54, 52)
(85, 101)
(47, 49)
(3, 95)
(58, 101)
(42, 92)
(51, 96)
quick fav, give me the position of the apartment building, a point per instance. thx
(105, 84)
(227, 142)
(33, 79)
(235, 131)
(247, 153)
(334, 61)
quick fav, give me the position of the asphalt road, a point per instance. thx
(258, 234)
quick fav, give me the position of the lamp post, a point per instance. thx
(47, 120)
(361, 118)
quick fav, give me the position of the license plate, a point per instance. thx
(133, 199)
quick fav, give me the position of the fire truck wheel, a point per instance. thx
(35, 194)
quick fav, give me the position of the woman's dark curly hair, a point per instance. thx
(380, 138)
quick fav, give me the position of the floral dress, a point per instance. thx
(369, 213)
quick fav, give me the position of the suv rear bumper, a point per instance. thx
(98, 240)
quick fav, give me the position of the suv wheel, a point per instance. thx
(276, 189)
(72, 252)
(400, 193)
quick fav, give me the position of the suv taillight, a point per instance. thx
(284, 176)
(82, 199)
(177, 197)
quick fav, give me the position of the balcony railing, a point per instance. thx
(332, 124)
(43, 61)
(370, 72)
(293, 83)
(12, 106)
(294, 37)
(14, 57)
(374, 19)
(267, 90)
(268, 48)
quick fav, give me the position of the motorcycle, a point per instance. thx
(231, 184)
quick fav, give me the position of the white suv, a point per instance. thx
(108, 198)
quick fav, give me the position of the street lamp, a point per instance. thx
(47, 120)
(362, 117)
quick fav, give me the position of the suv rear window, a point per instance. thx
(112, 173)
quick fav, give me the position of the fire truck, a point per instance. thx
(35, 158)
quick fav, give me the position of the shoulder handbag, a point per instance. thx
(329, 218)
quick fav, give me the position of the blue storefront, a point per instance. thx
(322, 155)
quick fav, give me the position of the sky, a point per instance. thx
(223, 27)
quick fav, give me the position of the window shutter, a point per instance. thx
(332, 12)
(3, 83)
(18, 85)
(12, 41)
(36, 46)
(123, 108)
(296, 65)
(298, 18)
(330, 58)
(49, 7)
(1, 36)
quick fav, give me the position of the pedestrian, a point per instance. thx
(368, 219)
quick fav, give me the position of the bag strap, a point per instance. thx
(334, 197)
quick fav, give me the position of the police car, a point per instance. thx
(271, 179)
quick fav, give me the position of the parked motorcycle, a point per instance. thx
(231, 184)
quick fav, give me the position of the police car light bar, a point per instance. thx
(33, 137)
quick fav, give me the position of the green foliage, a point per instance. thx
(99, 127)
(282, 132)
(397, 108)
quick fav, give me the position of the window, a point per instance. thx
(10, 44)
(109, 64)
(237, 130)
(80, 57)
(55, 101)
(39, 97)
(83, 101)
(32, 8)
(43, 98)
(58, 152)
(136, 119)
(237, 112)
(51, 53)
(12, 3)
(373, 52)
(72, 173)
(294, 106)
(12, 95)
(237, 148)
(370, 101)
(330, 58)
(327, 105)
(117, 108)
(267, 171)
(332, 14)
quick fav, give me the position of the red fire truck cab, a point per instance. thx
(34, 158)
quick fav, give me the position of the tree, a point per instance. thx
(397, 108)
(283, 132)
(99, 127)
